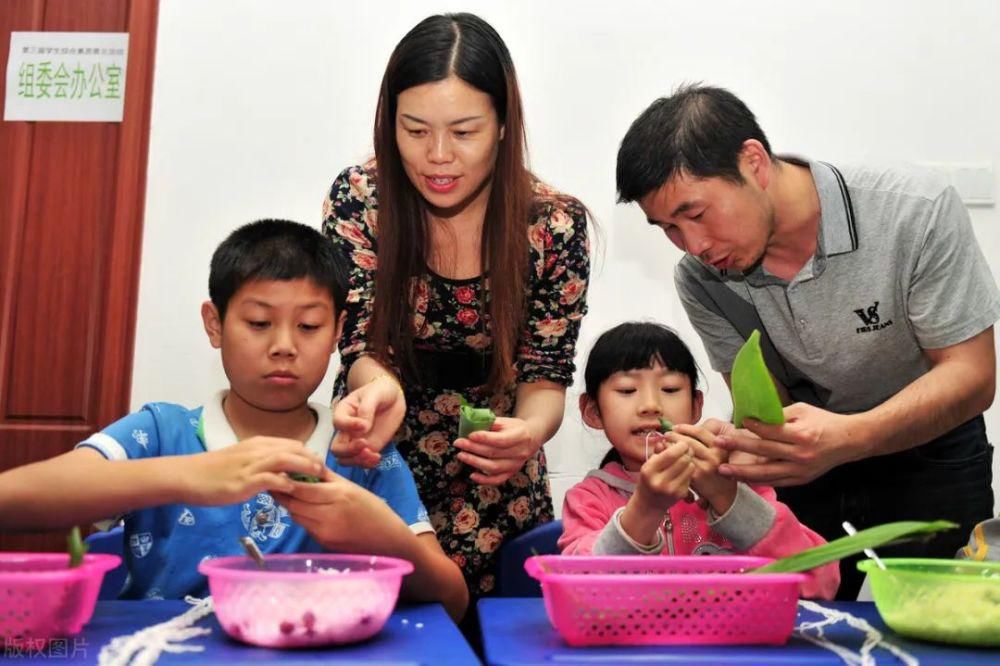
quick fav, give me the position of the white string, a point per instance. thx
(873, 637)
(648, 435)
(144, 647)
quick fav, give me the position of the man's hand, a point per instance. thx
(811, 442)
(366, 420)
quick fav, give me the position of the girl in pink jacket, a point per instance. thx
(640, 502)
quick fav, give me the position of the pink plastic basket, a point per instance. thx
(304, 599)
(681, 600)
(42, 598)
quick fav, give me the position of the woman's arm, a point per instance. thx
(560, 264)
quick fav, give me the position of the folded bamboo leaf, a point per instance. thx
(873, 537)
(304, 478)
(471, 419)
(77, 548)
(754, 393)
(665, 425)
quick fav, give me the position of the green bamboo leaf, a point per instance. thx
(304, 478)
(471, 419)
(77, 548)
(665, 425)
(754, 393)
(873, 537)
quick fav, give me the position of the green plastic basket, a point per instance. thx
(948, 601)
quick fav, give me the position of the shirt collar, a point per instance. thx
(218, 434)
(838, 231)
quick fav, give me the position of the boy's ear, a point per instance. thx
(338, 329)
(590, 412)
(213, 323)
(696, 404)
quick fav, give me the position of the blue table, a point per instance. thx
(516, 631)
(414, 634)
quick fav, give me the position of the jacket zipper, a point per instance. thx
(668, 527)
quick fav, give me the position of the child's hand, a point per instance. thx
(665, 478)
(718, 490)
(341, 515)
(366, 420)
(717, 427)
(237, 473)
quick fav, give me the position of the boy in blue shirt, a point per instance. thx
(190, 482)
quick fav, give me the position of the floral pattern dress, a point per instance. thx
(471, 520)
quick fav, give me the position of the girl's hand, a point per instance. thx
(718, 490)
(666, 477)
(663, 479)
(366, 420)
(500, 452)
(237, 473)
(342, 516)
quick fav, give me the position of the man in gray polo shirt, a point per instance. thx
(875, 305)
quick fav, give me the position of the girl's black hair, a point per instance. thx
(635, 345)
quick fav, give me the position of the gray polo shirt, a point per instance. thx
(897, 269)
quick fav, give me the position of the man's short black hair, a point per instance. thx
(276, 250)
(699, 131)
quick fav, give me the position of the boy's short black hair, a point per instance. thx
(276, 250)
(699, 130)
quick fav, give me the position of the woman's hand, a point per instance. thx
(500, 452)
(238, 472)
(366, 420)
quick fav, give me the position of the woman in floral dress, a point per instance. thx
(468, 278)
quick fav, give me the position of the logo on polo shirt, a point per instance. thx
(870, 318)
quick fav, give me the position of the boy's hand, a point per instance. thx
(237, 473)
(341, 515)
(498, 453)
(718, 490)
(366, 420)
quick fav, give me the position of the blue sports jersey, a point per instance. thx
(164, 544)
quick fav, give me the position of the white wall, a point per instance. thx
(258, 105)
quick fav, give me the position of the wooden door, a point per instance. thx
(71, 205)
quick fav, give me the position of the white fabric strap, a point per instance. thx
(873, 637)
(145, 646)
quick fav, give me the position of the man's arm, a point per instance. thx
(960, 384)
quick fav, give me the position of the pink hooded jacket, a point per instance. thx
(756, 524)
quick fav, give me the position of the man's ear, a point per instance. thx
(696, 404)
(213, 323)
(756, 163)
(590, 412)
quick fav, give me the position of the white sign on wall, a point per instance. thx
(66, 76)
